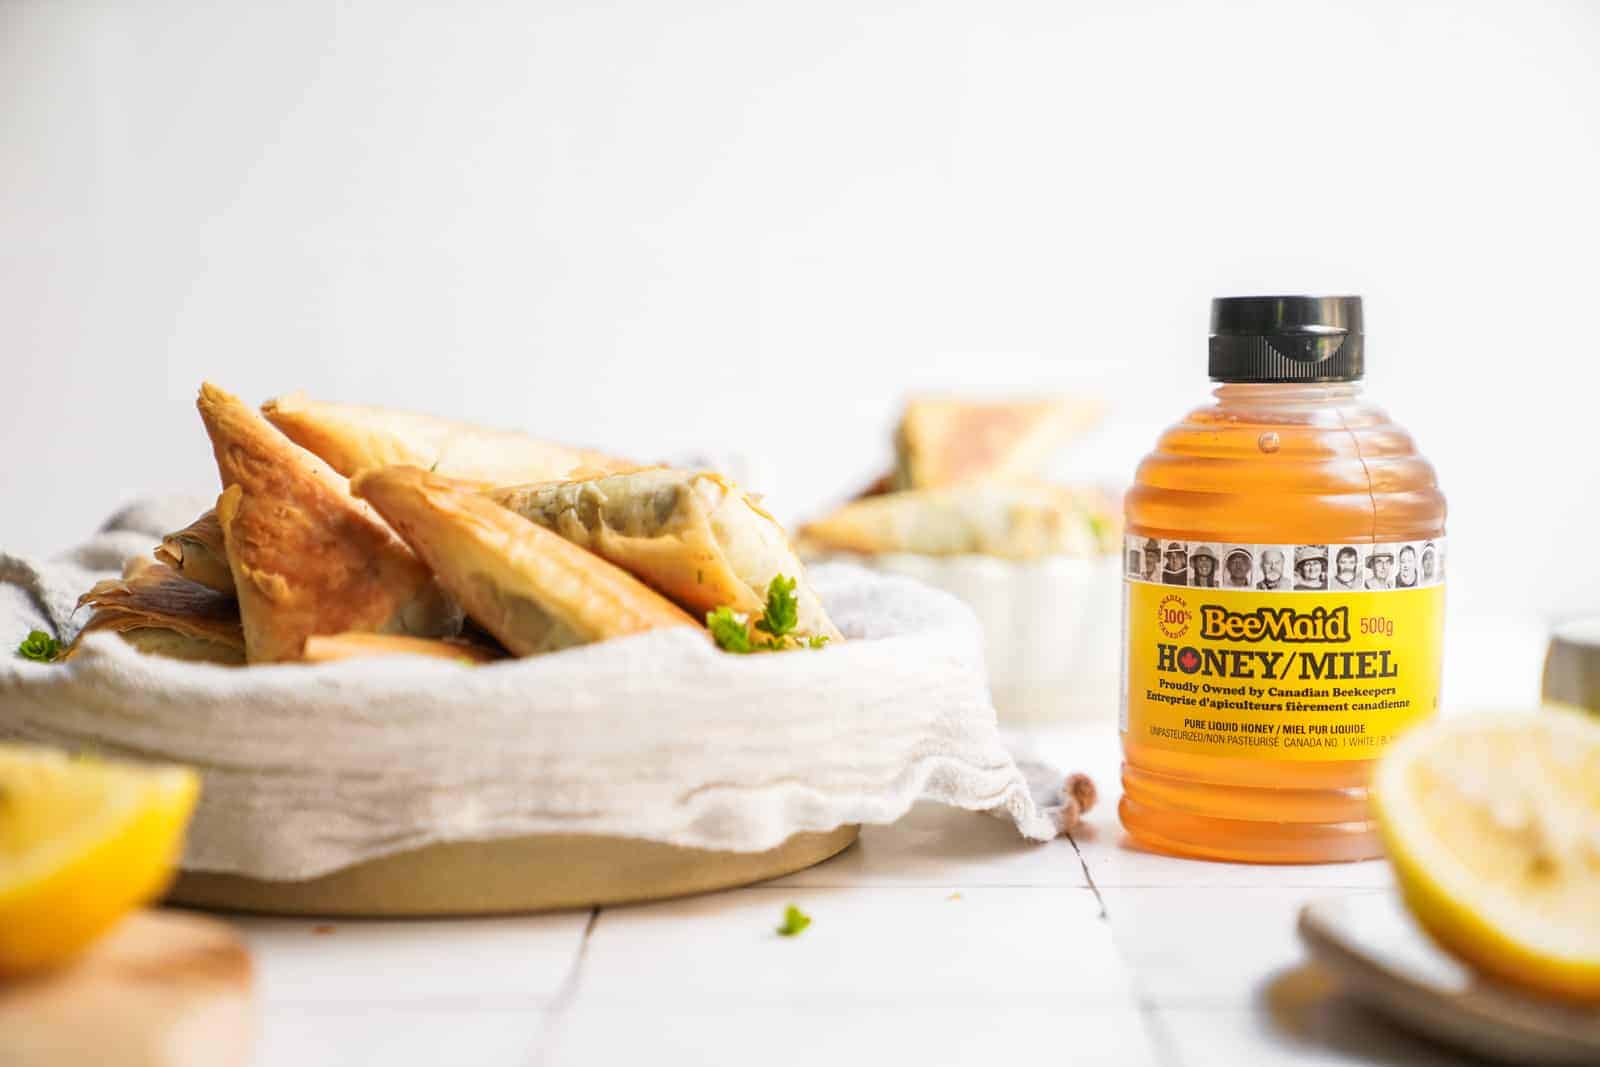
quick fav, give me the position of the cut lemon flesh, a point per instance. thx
(82, 843)
(1492, 823)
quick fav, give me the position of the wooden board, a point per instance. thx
(163, 989)
(1386, 961)
(527, 874)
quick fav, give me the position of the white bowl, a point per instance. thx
(1052, 628)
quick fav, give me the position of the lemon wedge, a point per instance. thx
(82, 843)
(1492, 823)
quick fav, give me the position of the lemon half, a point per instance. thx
(82, 843)
(1492, 823)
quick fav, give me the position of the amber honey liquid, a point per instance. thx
(1271, 464)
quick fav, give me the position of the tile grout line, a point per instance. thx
(565, 995)
(1161, 1039)
(1116, 887)
(1161, 1042)
(1087, 876)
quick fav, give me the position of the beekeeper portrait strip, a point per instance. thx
(1309, 568)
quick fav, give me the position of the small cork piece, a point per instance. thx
(1080, 787)
(1077, 798)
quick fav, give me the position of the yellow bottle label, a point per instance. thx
(1284, 652)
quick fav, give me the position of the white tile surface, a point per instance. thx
(445, 961)
(936, 845)
(389, 1036)
(868, 942)
(807, 1032)
(942, 939)
(1208, 946)
(1114, 862)
(1302, 1019)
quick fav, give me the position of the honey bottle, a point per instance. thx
(1283, 607)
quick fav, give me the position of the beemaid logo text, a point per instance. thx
(1269, 629)
(1274, 624)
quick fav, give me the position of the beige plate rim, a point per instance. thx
(539, 873)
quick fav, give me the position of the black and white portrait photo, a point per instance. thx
(1346, 569)
(1405, 575)
(1152, 561)
(1272, 569)
(1236, 568)
(1311, 567)
(1176, 571)
(1380, 565)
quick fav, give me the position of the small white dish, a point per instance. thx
(1386, 961)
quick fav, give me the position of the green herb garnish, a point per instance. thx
(794, 921)
(39, 647)
(732, 631)
(783, 608)
(729, 629)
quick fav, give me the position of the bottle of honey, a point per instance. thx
(1284, 600)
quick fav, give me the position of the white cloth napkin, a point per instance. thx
(309, 769)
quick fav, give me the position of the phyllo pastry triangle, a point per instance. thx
(306, 556)
(352, 438)
(697, 538)
(157, 610)
(1008, 521)
(326, 648)
(943, 441)
(197, 552)
(533, 590)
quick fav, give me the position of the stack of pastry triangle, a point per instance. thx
(944, 442)
(1002, 521)
(966, 482)
(332, 541)
(306, 556)
(352, 438)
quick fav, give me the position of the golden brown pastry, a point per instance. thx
(306, 556)
(352, 438)
(197, 552)
(697, 538)
(326, 648)
(944, 442)
(137, 565)
(534, 591)
(159, 611)
(1008, 521)
(175, 644)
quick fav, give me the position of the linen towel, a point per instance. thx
(661, 736)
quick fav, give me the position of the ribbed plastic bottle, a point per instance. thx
(1284, 597)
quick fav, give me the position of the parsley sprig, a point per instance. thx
(732, 629)
(794, 921)
(39, 647)
(783, 608)
(729, 629)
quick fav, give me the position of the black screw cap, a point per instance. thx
(1286, 339)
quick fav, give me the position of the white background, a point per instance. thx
(653, 226)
